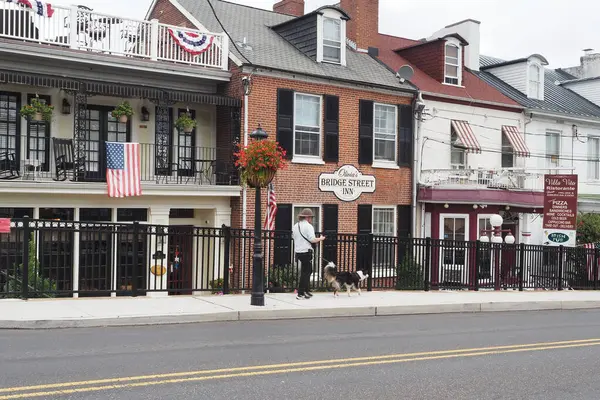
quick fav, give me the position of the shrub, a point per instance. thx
(410, 275)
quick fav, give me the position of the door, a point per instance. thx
(454, 230)
(101, 127)
(180, 261)
(186, 150)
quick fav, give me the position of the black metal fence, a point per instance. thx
(44, 258)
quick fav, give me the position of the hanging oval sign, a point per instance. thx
(558, 237)
(158, 270)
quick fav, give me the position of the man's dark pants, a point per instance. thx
(305, 272)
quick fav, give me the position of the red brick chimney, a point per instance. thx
(292, 7)
(363, 27)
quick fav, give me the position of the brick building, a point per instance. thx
(317, 87)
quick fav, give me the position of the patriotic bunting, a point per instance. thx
(40, 7)
(191, 42)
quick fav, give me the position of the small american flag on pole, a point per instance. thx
(123, 169)
(271, 209)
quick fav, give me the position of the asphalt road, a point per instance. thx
(533, 355)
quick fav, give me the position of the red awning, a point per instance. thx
(466, 137)
(516, 140)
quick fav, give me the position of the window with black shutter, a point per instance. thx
(332, 128)
(38, 138)
(186, 150)
(285, 120)
(163, 140)
(283, 251)
(405, 135)
(10, 125)
(330, 229)
(365, 132)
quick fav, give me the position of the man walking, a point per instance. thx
(303, 234)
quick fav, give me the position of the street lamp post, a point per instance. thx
(496, 222)
(258, 289)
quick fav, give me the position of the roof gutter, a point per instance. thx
(518, 108)
(590, 120)
(372, 85)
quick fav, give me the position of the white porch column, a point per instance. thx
(159, 243)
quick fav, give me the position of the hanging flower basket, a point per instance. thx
(259, 161)
(122, 112)
(37, 111)
(186, 123)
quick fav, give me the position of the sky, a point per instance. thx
(557, 29)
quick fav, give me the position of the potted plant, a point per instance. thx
(122, 112)
(259, 161)
(186, 123)
(37, 111)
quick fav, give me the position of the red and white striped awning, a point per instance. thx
(516, 140)
(466, 137)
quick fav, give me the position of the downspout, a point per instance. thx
(244, 189)
(527, 228)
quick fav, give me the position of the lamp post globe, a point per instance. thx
(509, 239)
(484, 239)
(496, 239)
(258, 288)
(496, 220)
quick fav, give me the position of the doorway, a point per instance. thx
(101, 127)
(181, 260)
(454, 231)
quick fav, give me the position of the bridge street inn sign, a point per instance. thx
(347, 183)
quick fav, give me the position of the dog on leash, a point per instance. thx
(337, 280)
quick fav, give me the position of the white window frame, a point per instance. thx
(383, 272)
(503, 140)
(452, 215)
(594, 165)
(389, 164)
(480, 216)
(455, 43)
(539, 81)
(302, 158)
(452, 149)
(332, 14)
(549, 161)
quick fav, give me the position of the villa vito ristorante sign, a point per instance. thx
(560, 210)
(347, 183)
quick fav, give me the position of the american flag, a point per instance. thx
(271, 209)
(590, 259)
(123, 169)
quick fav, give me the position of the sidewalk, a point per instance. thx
(67, 313)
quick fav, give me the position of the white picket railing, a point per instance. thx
(80, 28)
(504, 178)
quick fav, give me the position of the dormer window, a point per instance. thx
(331, 37)
(452, 69)
(535, 82)
(332, 40)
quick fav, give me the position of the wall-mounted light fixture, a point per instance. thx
(446, 205)
(145, 114)
(66, 107)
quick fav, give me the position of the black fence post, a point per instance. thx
(427, 280)
(595, 268)
(370, 262)
(521, 265)
(560, 267)
(25, 268)
(226, 234)
(134, 267)
(477, 261)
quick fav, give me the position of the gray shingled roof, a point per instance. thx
(557, 99)
(270, 50)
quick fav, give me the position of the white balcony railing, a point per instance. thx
(483, 178)
(80, 28)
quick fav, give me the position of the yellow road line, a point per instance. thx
(285, 368)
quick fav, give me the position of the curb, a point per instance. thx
(263, 315)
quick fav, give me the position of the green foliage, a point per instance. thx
(410, 275)
(39, 286)
(588, 228)
(216, 285)
(122, 109)
(185, 121)
(285, 276)
(37, 106)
